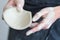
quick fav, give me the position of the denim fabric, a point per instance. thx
(54, 33)
(50, 34)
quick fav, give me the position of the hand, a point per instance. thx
(14, 3)
(50, 16)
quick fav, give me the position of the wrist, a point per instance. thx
(57, 12)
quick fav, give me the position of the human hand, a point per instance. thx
(50, 16)
(14, 3)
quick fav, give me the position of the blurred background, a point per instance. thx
(4, 29)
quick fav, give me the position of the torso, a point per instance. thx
(36, 5)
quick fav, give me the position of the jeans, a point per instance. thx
(53, 33)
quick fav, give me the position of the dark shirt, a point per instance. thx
(36, 5)
(50, 34)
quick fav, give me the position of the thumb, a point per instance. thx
(40, 13)
(20, 4)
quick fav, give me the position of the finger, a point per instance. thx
(9, 4)
(47, 22)
(20, 4)
(35, 29)
(40, 13)
(33, 25)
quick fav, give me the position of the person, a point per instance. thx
(41, 29)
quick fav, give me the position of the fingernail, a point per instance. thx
(19, 8)
(35, 18)
(29, 33)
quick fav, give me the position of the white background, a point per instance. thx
(3, 26)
